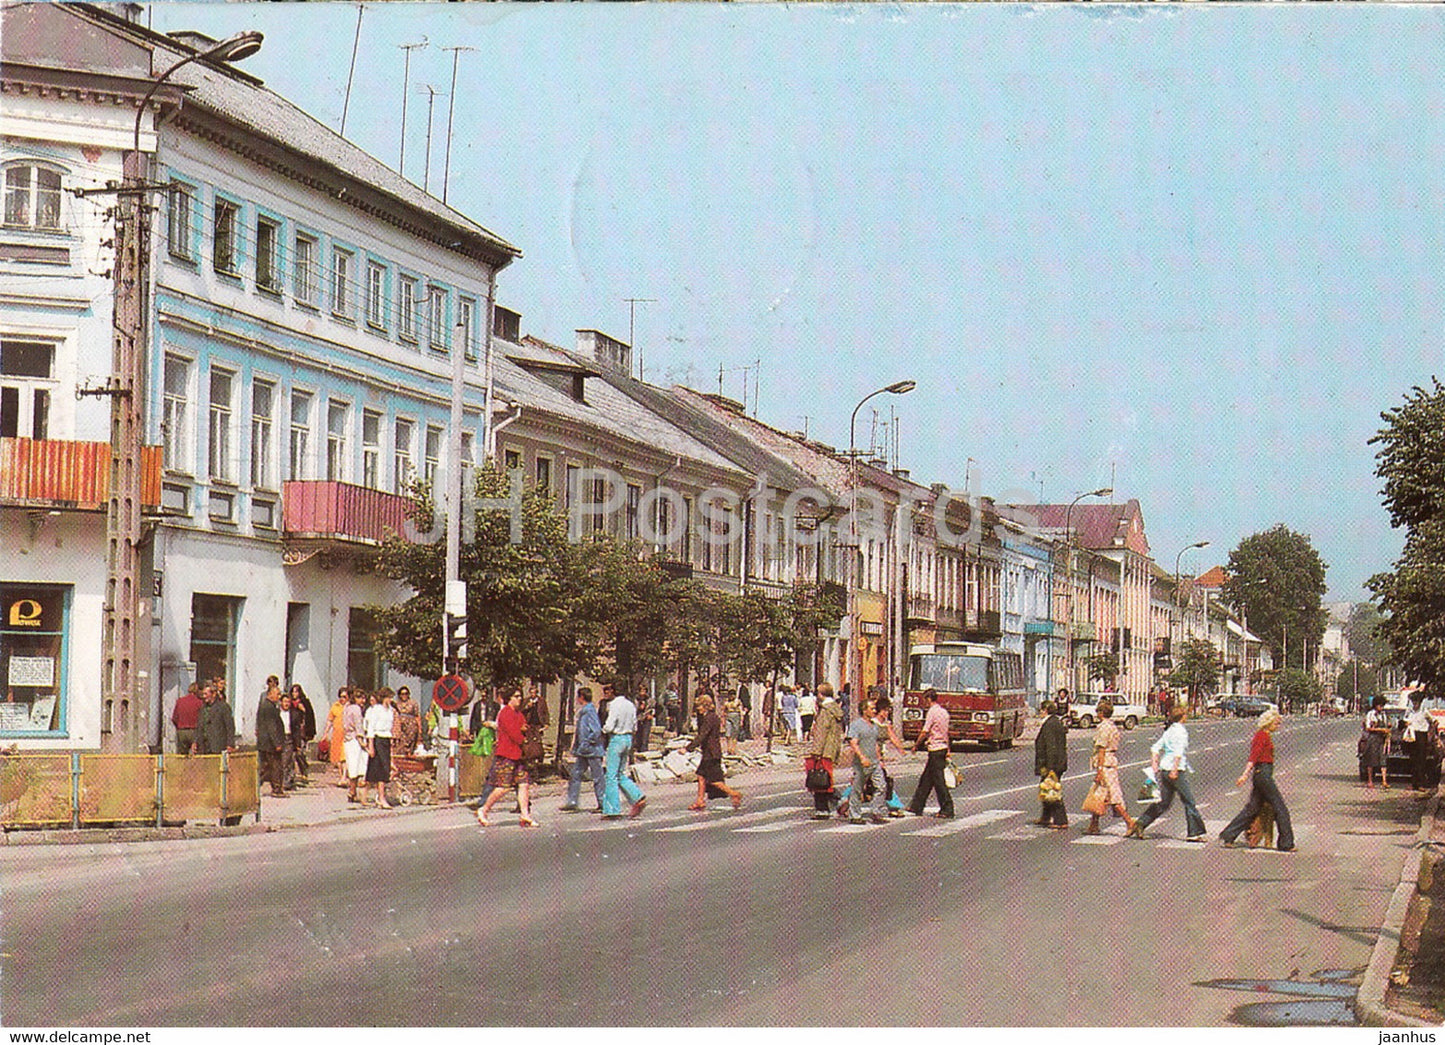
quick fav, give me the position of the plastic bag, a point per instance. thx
(485, 743)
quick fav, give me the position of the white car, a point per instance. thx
(1083, 712)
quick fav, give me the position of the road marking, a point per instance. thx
(762, 814)
(781, 825)
(963, 823)
(851, 828)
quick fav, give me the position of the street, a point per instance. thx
(755, 917)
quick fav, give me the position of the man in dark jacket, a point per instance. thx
(271, 739)
(1051, 755)
(216, 730)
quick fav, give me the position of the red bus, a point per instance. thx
(981, 686)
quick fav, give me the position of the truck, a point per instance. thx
(981, 686)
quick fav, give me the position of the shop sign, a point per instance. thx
(25, 613)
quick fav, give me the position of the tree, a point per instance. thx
(1277, 581)
(1362, 632)
(1297, 689)
(1103, 666)
(1411, 461)
(1357, 683)
(1197, 669)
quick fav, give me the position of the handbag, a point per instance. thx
(817, 778)
(1050, 789)
(323, 749)
(1096, 802)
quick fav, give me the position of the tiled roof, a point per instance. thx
(1098, 526)
(1214, 577)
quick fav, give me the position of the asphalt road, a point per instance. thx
(755, 917)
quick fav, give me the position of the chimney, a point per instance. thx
(614, 356)
(900, 473)
(506, 324)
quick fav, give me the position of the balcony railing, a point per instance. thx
(982, 624)
(920, 607)
(68, 473)
(327, 510)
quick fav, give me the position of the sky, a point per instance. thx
(1189, 252)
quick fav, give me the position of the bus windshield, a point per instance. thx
(949, 672)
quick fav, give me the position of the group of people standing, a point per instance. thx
(204, 722)
(362, 732)
(285, 727)
(1169, 767)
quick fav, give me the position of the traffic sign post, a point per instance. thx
(450, 694)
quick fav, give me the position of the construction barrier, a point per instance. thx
(85, 790)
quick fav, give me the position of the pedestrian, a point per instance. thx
(887, 734)
(1051, 761)
(185, 716)
(291, 722)
(534, 711)
(745, 701)
(732, 723)
(933, 738)
(708, 741)
(769, 710)
(605, 701)
(672, 705)
(846, 699)
(354, 741)
(587, 752)
(807, 708)
(272, 738)
(1170, 759)
(1105, 763)
(1259, 771)
(336, 734)
(216, 727)
(406, 726)
(642, 738)
(509, 770)
(1376, 744)
(307, 733)
(617, 728)
(788, 703)
(866, 747)
(377, 724)
(1420, 740)
(826, 737)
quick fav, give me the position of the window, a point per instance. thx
(544, 474)
(263, 397)
(468, 451)
(376, 295)
(33, 621)
(26, 385)
(305, 274)
(433, 453)
(436, 314)
(687, 529)
(341, 265)
(465, 310)
(371, 450)
(299, 448)
(179, 209)
(363, 659)
(336, 419)
(512, 459)
(634, 501)
(176, 415)
(267, 236)
(32, 198)
(406, 310)
(403, 459)
(213, 637)
(599, 498)
(223, 237)
(219, 447)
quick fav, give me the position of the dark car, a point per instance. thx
(1243, 707)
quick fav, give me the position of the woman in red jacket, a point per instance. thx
(1259, 773)
(508, 769)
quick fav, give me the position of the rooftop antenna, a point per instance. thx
(350, 76)
(632, 304)
(451, 108)
(405, 85)
(430, 107)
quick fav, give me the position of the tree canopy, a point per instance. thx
(1277, 581)
(1362, 632)
(1411, 461)
(1197, 669)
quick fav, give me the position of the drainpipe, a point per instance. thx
(491, 450)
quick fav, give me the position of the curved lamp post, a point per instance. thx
(1178, 585)
(231, 49)
(855, 655)
(1103, 491)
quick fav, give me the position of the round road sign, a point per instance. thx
(450, 693)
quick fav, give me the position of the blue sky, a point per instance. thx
(1190, 250)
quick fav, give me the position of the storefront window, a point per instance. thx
(32, 652)
(213, 637)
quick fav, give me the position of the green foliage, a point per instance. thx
(1368, 686)
(1277, 580)
(1362, 632)
(1296, 689)
(1411, 458)
(1103, 666)
(1197, 667)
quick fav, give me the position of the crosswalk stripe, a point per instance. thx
(731, 821)
(781, 825)
(963, 823)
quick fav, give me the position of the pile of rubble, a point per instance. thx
(677, 764)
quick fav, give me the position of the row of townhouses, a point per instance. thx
(304, 308)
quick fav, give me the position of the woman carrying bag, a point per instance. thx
(1106, 772)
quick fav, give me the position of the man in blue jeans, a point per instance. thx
(587, 752)
(621, 724)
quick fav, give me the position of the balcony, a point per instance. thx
(66, 473)
(979, 625)
(920, 610)
(1083, 631)
(333, 512)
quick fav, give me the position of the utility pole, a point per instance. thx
(451, 109)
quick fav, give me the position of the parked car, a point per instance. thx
(1082, 713)
(1242, 707)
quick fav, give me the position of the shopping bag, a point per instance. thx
(1050, 789)
(1096, 802)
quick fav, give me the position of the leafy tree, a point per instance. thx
(1103, 666)
(1276, 579)
(1197, 669)
(1348, 689)
(1362, 632)
(1296, 689)
(1411, 461)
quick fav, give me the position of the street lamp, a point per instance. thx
(1104, 491)
(126, 389)
(1178, 587)
(855, 654)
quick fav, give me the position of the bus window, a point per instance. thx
(949, 673)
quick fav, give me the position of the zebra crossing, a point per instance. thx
(992, 825)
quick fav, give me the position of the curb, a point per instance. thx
(1370, 999)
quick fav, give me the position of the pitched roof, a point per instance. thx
(1097, 526)
(1214, 577)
